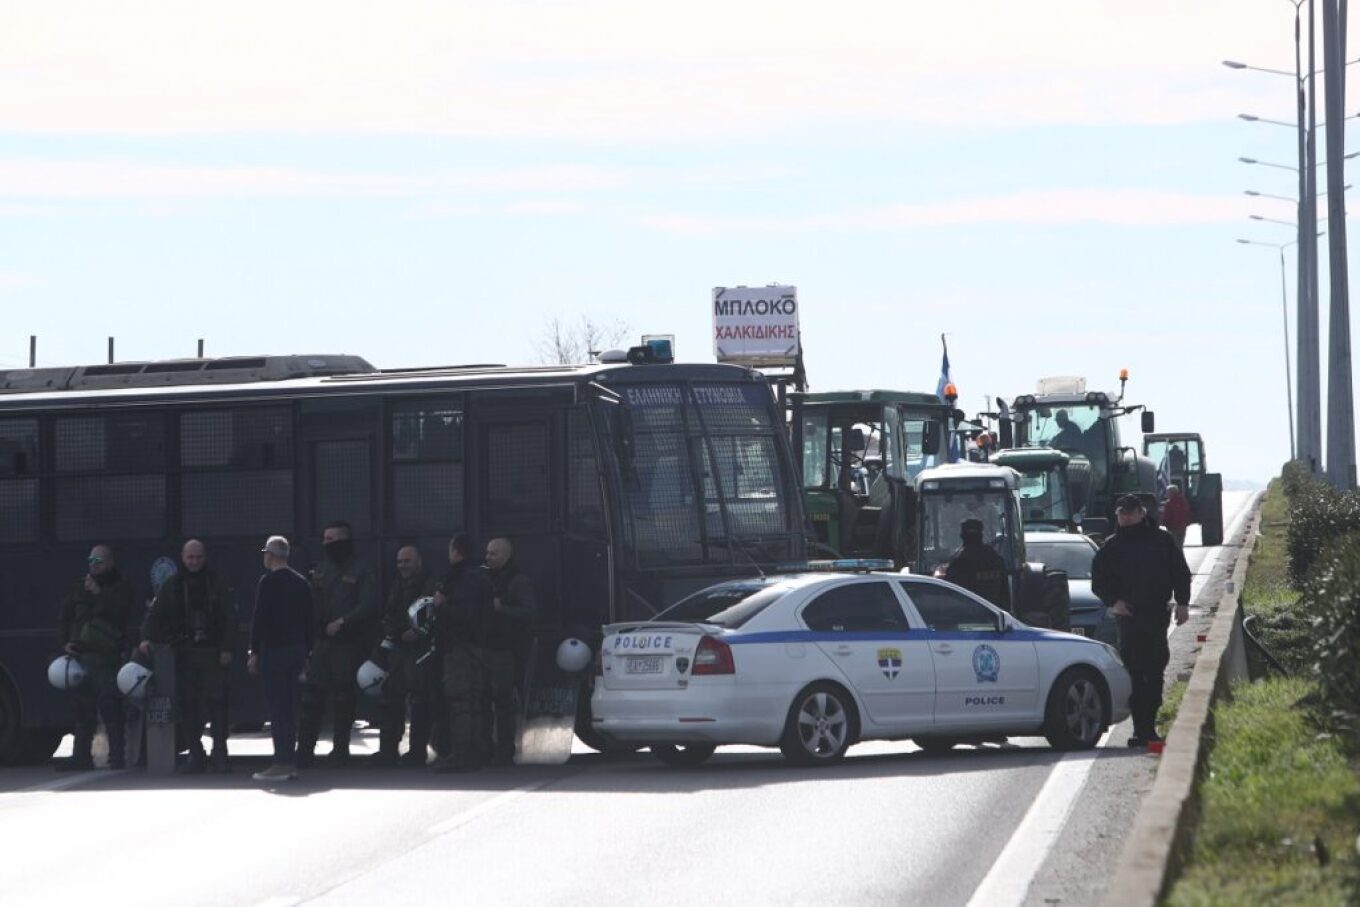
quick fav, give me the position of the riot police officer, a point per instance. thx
(94, 619)
(345, 608)
(513, 611)
(412, 669)
(195, 612)
(462, 622)
(978, 568)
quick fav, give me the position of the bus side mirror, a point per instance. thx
(1149, 422)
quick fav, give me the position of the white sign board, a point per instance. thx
(756, 326)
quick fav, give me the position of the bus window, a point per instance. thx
(119, 491)
(342, 477)
(18, 493)
(427, 467)
(238, 472)
(585, 500)
(517, 490)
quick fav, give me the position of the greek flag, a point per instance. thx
(947, 379)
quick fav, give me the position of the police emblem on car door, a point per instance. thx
(890, 662)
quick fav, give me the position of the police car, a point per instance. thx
(814, 662)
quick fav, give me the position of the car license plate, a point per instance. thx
(642, 664)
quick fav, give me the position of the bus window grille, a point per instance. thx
(517, 485)
(585, 504)
(427, 497)
(255, 502)
(18, 511)
(663, 506)
(342, 484)
(18, 447)
(110, 507)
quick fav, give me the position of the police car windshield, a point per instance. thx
(728, 605)
(1074, 557)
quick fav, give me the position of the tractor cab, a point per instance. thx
(948, 495)
(1055, 486)
(1064, 416)
(861, 451)
(1180, 460)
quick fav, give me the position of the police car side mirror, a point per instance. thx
(1002, 625)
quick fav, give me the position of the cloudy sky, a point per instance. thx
(1053, 184)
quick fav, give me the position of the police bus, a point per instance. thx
(623, 485)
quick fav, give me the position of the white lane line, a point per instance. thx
(483, 808)
(1008, 881)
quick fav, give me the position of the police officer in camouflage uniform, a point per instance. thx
(346, 611)
(462, 623)
(94, 619)
(412, 671)
(514, 608)
(978, 568)
(195, 612)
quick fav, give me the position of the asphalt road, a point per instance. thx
(889, 825)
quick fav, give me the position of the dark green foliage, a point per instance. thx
(1295, 478)
(1332, 602)
(1318, 514)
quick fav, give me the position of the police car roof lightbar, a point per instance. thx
(850, 565)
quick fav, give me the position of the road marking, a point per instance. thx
(483, 808)
(1008, 881)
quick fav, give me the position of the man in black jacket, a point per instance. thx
(1139, 569)
(94, 621)
(195, 612)
(978, 568)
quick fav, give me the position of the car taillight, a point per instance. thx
(713, 656)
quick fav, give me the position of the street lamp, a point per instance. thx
(1252, 160)
(1283, 198)
(1284, 315)
(1251, 118)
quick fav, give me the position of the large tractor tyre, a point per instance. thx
(1211, 510)
(1078, 710)
(821, 725)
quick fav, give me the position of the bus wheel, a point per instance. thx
(11, 734)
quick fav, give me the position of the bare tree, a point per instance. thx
(574, 343)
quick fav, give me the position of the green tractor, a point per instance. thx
(1180, 458)
(1063, 415)
(950, 494)
(1054, 486)
(861, 452)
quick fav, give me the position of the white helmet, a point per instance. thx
(421, 613)
(573, 655)
(133, 679)
(66, 673)
(371, 677)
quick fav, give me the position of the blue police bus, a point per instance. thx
(624, 485)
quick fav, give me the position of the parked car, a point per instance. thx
(814, 662)
(1073, 553)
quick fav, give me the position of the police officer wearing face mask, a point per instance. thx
(94, 620)
(346, 612)
(413, 671)
(195, 612)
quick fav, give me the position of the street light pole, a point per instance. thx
(1340, 395)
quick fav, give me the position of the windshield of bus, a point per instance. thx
(1177, 457)
(702, 475)
(943, 513)
(1043, 495)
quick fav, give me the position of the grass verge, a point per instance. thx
(1280, 807)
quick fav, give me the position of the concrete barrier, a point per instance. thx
(1162, 833)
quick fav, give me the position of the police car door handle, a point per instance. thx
(943, 648)
(844, 650)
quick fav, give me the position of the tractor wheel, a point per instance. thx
(1211, 522)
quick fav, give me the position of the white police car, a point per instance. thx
(814, 662)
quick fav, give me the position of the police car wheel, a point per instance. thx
(820, 726)
(1076, 716)
(683, 755)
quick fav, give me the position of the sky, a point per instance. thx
(1054, 185)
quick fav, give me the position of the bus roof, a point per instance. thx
(1029, 456)
(912, 398)
(363, 379)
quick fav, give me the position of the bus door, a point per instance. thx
(516, 482)
(337, 456)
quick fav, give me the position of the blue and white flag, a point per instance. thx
(945, 378)
(1163, 478)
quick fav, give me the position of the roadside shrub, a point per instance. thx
(1332, 602)
(1318, 514)
(1295, 478)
